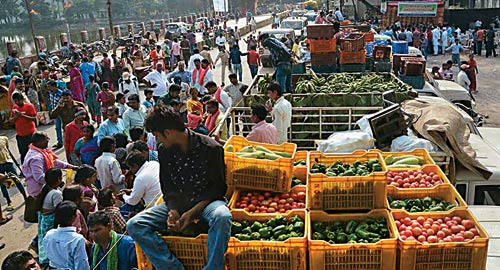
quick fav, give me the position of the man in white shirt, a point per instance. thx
(146, 185)
(436, 40)
(196, 55)
(220, 41)
(108, 167)
(135, 114)
(202, 74)
(157, 80)
(221, 96)
(281, 112)
(128, 85)
(462, 78)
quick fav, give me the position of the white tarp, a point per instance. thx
(220, 5)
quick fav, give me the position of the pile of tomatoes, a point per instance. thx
(413, 179)
(267, 202)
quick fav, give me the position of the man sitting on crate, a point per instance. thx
(193, 183)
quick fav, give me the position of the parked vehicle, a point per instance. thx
(298, 24)
(265, 54)
(198, 24)
(176, 29)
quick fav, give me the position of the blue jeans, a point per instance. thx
(237, 69)
(253, 70)
(284, 76)
(455, 58)
(144, 226)
(59, 128)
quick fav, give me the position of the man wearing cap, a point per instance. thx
(196, 55)
(201, 75)
(180, 72)
(462, 77)
(67, 108)
(205, 53)
(128, 85)
(156, 79)
(135, 114)
(20, 88)
(72, 132)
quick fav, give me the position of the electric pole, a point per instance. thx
(110, 18)
(30, 17)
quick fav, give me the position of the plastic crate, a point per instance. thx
(322, 45)
(369, 48)
(400, 47)
(357, 57)
(382, 52)
(369, 37)
(416, 82)
(325, 68)
(426, 169)
(414, 68)
(419, 152)
(260, 174)
(300, 172)
(446, 192)
(444, 256)
(242, 192)
(264, 255)
(382, 66)
(325, 256)
(324, 59)
(353, 43)
(320, 31)
(348, 192)
(352, 68)
(191, 252)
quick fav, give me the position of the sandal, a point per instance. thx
(6, 219)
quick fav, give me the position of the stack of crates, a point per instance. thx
(382, 58)
(412, 70)
(352, 53)
(323, 47)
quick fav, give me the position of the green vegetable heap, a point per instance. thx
(348, 83)
(275, 229)
(427, 204)
(367, 231)
(340, 168)
(296, 181)
(300, 163)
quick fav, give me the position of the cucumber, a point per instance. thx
(402, 166)
(408, 161)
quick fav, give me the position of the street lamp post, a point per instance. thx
(108, 3)
(30, 16)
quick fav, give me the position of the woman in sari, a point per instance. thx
(75, 82)
(86, 149)
(106, 70)
(46, 203)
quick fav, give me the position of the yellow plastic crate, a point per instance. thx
(444, 256)
(191, 252)
(346, 192)
(300, 172)
(446, 192)
(265, 255)
(271, 175)
(326, 256)
(238, 193)
(426, 169)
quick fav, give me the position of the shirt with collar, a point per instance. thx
(463, 80)
(65, 249)
(193, 57)
(234, 92)
(282, 117)
(263, 132)
(34, 171)
(54, 99)
(158, 78)
(185, 76)
(134, 118)
(127, 258)
(455, 48)
(67, 113)
(109, 171)
(146, 184)
(198, 175)
(108, 128)
(132, 86)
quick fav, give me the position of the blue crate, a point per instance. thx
(324, 69)
(381, 42)
(352, 68)
(400, 47)
(369, 48)
(417, 82)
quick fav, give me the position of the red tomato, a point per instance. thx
(407, 233)
(254, 202)
(285, 196)
(446, 231)
(249, 194)
(294, 196)
(276, 199)
(436, 178)
(457, 238)
(446, 219)
(416, 231)
(406, 221)
(468, 235)
(398, 223)
(251, 208)
(273, 205)
(282, 210)
(430, 232)
(253, 198)
(271, 210)
(267, 194)
(263, 211)
(440, 234)
(257, 211)
(420, 219)
(468, 224)
(406, 185)
(260, 198)
(403, 237)
(282, 201)
(435, 227)
(301, 195)
(243, 205)
(457, 219)
(301, 205)
(245, 199)
(421, 238)
(402, 227)
(432, 239)
(474, 231)
(455, 229)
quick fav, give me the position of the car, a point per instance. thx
(298, 13)
(451, 91)
(298, 24)
(265, 54)
(311, 16)
(197, 23)
(176, 29)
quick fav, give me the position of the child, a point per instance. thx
(74, 193)
(106, 98)
(108, 167)
(473, 71)
(85, 177)
(120, 103)
(107, 201)
(149, 102)
(194, 103)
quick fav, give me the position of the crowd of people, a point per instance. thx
(127, 146)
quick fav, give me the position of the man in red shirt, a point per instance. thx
(479, 41)
(24, 116)
(253, 60)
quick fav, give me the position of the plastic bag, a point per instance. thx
(408, 143)
(364, 124)
(347, 142)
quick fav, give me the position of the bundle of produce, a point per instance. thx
(426, 204)
(270, 202)
(275, 229)
(407, 161)
(259, 152)
(339, 168)
(336, 232)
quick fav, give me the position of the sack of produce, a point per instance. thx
(347, 142)
(408, 143)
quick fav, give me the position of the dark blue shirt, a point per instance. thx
(185, 76)
(127, 258)
(235, 56)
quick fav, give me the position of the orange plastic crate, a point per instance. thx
(191, 252)
(259, 174)
(264, 255)
(322, 45)
(426, 169)
(348, 192)
(238, 193)
(419, 152)
(325, 256)
(300, 171)
(446, 192)
(444, 256)
(353, 43)
(357, 57)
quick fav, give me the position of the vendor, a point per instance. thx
(281, 111)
